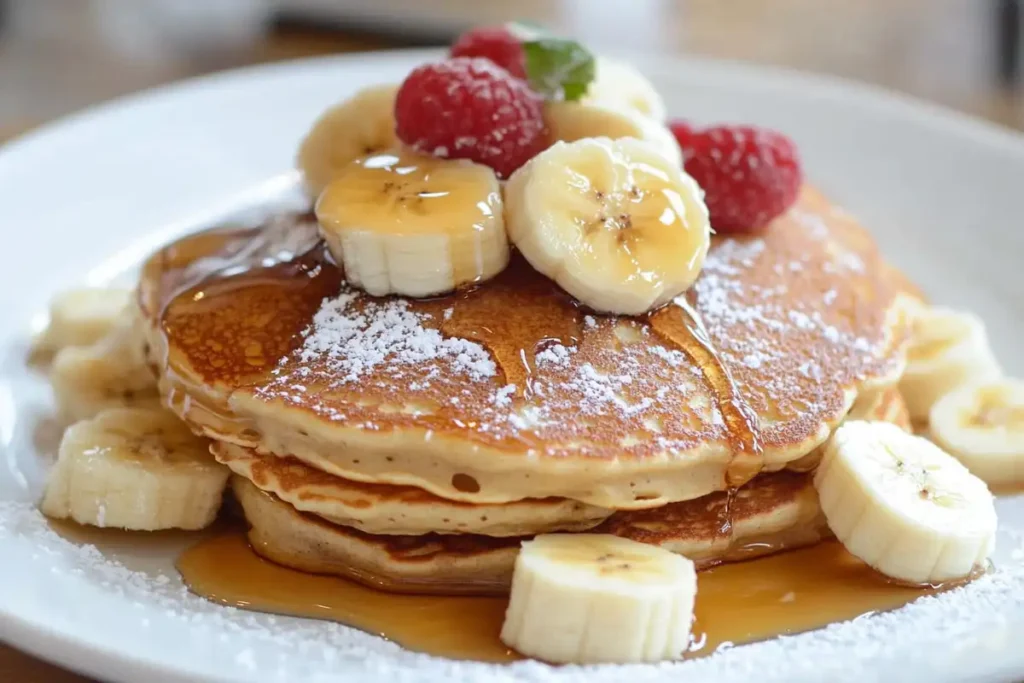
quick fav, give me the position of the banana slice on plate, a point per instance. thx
(571, 121)
(110, 373)
(81, 317)
(982, 424)
(903, 505)
(135, 468)
(361, 125)
(612, 221)
(406, 224)
(948, 348)
(621, 84)
(593, 598)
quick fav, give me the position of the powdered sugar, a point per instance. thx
(353, 341)
(556, 354)
(967, 633)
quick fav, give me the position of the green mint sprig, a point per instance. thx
(557, 68)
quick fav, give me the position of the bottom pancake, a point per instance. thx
(774, 512)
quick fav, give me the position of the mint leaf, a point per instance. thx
(558, 69)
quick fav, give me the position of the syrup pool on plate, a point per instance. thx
(737, 603)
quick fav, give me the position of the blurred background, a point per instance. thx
(57, 56)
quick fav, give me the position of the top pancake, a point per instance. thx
(512, 390)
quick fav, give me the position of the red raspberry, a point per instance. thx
(495, 43)
(465, 108)
(749, 175)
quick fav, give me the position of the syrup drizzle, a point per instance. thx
(514, 341)
(680, 323)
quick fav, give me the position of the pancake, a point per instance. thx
(773, 512)
(885, 405)
(401, 510)
(406, 510)
(511, 390)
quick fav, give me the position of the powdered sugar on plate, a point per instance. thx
(150, 616)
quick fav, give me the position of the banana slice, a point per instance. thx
(361, 125)
(983, 426)
(414, 225)
(592, 598)
(611, 221)
(81, 317)
(903, 505)
(620, 84)
(111, 373)
(135, 468)
(571, 121)
(948, 348)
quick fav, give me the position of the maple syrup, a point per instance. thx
(544, 316)
(679, 323)
(782, 594)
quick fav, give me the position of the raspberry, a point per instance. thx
(470, 108)
(495, 43)
(749, 175)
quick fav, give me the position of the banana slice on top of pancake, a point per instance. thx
(903, 505)
(401, 223)
(596, 598)
(135, 468)
(361, 125)
(621, 84)
(982, 424)
(570, 121)
(613, 222)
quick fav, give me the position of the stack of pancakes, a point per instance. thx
(413, 444)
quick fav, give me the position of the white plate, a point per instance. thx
(85, 199)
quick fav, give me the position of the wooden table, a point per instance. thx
(942, 50)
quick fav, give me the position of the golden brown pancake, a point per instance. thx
(884, 405)
(406, 510)
(511, 390)
(774, 512)
(402, 510)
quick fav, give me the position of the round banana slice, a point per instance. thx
(111, 373)
(361, 125)
(81, 317)
(948, 348)
(406, 224)
(135, 468)
(571, 121)
(903, 505)
(982, 424)
(621, 84)
(612, 221)
(597, 598)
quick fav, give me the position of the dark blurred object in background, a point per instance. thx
(1009, 17)
(60, 55)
